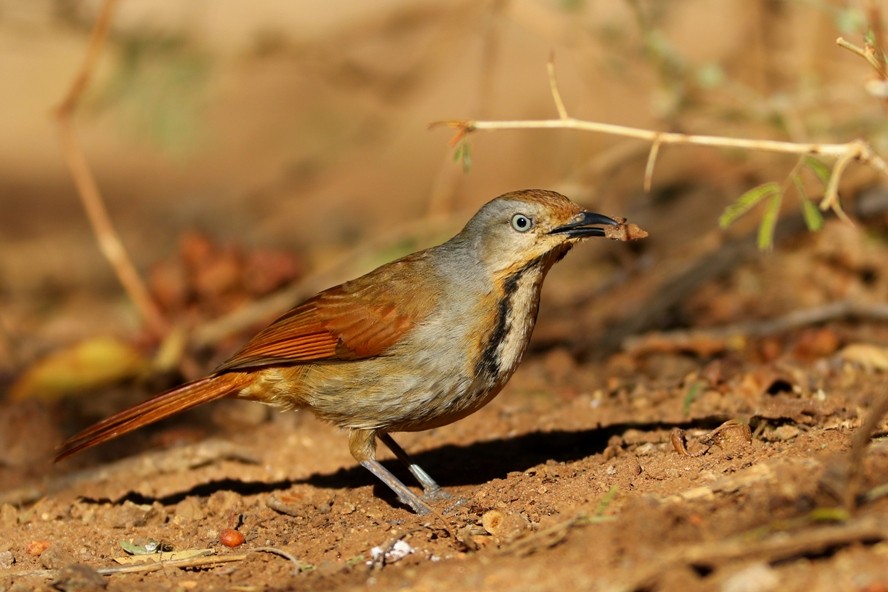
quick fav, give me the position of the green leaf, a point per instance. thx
(769, 222)
(689, 397)
(143, 548)
(463, 156)
(746, 202)
(710, 75)
(812, 214)
(606, 500)
(820, 170)
(810, 211)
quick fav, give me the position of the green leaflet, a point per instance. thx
(820, 170)
(810, 211)
(746, 202)
(769, 222)
(463, 155)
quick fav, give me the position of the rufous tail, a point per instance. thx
(163, 405)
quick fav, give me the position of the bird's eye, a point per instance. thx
(522, 223)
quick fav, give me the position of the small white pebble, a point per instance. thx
(398, 551)
(758, 577)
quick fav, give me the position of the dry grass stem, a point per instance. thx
(651, 162)
(281, 553)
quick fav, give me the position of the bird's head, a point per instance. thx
(514, 229)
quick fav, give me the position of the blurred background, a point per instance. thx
(242, 147)
(252, 153)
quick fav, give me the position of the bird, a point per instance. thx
(415, 344)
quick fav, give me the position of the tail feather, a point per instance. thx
(163, 405)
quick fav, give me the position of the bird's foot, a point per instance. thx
(405, 496)
(455, 505)
(439, 494)
(416, 504)
(436, 494)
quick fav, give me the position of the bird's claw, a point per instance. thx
(436, 494)
(416, 504)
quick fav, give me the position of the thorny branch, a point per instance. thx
(844, 153)
(88, 189)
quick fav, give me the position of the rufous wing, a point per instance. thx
(356, 320)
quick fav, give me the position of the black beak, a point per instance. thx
(583, 225)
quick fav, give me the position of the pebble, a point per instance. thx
(231, 538)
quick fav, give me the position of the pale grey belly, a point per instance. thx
(376, 394)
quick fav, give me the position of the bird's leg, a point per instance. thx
(431, 489)
(362, 444)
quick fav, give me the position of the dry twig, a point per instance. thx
(844, 153)
(205, 560)
(281, 553)
(544, 539)
(88, 189)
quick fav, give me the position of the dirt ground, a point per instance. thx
(683, 419)
(568, 480)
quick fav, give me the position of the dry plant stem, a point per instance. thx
(553, 87)
(202, 561)
(859, 443)
(87, 188)
(866, 54)
(844, 153)
(191, 562)
(651, 162)
(281, 553)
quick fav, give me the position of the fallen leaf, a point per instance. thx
(148, 547)
(79, 368)
(867, 355)
(167, 556)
